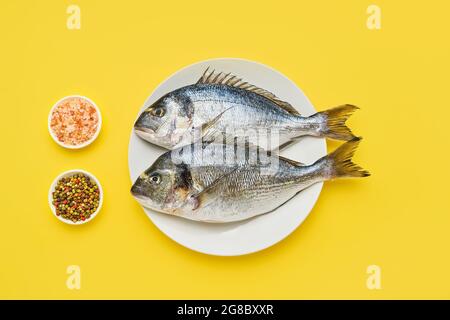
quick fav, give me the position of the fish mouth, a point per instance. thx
(143, 200)
(137, 190)
(152, 136)
(144, 133)
(139, 129)
(145, 123)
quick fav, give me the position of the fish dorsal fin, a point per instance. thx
(212, 77)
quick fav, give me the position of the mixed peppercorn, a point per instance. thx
(76, 197)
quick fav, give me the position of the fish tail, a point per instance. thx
(334, 119)
(338, 164)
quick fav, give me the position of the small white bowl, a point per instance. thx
(67, 174)
(81, 145)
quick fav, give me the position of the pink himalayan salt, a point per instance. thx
(74, 121)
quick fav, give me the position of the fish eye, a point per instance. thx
(158, 112)
(155, 178)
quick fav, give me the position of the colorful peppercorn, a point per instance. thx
(76, 197)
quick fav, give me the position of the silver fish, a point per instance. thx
(222, 103)
(186, 182)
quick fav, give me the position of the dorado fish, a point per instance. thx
(224, 103)
(204, 183)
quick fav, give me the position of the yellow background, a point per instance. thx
(398, 218)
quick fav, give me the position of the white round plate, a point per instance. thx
(237, 238)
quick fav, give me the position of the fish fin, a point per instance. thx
(212, 77)
(335, 118)
(293, 140)
(207, 195)
(286, 144)
(208, 127)
(292, 162)
(206, 131)
(339, 163)
(217, 136)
